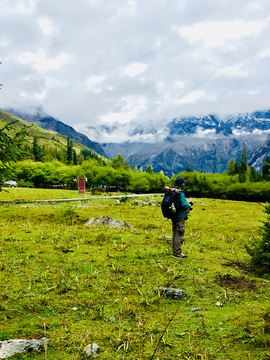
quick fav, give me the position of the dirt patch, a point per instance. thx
(237, 265)
(235, 283)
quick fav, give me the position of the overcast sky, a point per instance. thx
(89, 62)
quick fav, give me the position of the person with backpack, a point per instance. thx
(179, 217)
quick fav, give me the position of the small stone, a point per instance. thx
(92, 350)
(112, 319)
(171, 292)
(74, 308)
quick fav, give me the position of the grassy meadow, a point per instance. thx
(30, 194)
(78, 285)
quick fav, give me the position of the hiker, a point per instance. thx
(178, 223)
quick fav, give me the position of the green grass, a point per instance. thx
(26, 194)
(50, 263)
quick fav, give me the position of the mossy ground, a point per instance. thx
(78, 285)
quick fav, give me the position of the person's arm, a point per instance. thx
(184, 203)
(167, 188)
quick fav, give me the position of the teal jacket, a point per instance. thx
(181, 204)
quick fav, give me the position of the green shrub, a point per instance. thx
(259, 249)
(25, 184)
(70, 214)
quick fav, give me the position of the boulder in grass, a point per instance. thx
(172, 293)
(108, 221)
(11, 347)
(92, 350)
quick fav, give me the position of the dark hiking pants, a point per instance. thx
(178, 228)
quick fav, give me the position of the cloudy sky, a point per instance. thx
(88, 62)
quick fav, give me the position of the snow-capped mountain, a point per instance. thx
(204, 143)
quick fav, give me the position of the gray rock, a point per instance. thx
(171, 292)
(92, 350)
(11, 347)
(108, 221)
(197, 308)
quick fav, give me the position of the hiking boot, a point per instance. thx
(180, 256)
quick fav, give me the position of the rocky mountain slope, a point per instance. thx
(259, 155)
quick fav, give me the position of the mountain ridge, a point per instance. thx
(46, 138)
(47, 122)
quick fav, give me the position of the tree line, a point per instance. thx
(116, 175)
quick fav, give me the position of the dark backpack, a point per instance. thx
(168, 205)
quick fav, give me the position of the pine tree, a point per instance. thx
(266, 169)
(243, 167)
(259, 249)
(74, 157)
(232, 167)
(149, 169)
(69, 152)
(253, 175)
(36, 149)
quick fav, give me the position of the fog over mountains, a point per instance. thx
(204, 143)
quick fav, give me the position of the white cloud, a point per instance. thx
(40, 61)
(191, 98)
(23, 7)
(134, 69)
(265, 53)
(129, 110)
(217, 33)
(46, 26)
(234, 70)
(128, 9)
(179, 84)
(93, 81)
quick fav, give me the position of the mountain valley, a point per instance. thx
(205, 143)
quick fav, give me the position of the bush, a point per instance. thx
(259, 249)
(25, 184)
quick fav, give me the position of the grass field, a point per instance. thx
(79, 285)
(37, 194)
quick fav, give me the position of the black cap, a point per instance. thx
(179, 181)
